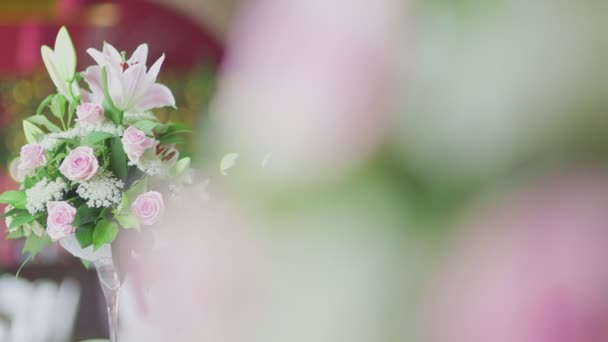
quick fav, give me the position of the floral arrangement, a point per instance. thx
(97, 161)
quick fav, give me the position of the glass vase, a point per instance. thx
(110, 285)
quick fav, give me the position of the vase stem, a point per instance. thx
(110, 284)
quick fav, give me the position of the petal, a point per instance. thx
(51, 205)
(140, 56)
(65, 55)
(134, 81)
(92, 76)
(91, 97)
(116, 88)
(155, 69)
(156, 96)
(112, 55)
(98, 56)
(48, 57)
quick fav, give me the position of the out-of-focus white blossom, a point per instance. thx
(43, 192)
(50, 141)
(103, 190)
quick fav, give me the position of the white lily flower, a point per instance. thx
(61, 64)
(131, 85)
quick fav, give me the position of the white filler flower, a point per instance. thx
(43, 192)
(101, 191)
(51, 140)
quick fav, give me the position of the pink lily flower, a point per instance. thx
(131, 86)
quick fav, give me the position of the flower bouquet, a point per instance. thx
(97, 162)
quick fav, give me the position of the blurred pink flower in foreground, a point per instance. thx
(530, 269)
(307, 81)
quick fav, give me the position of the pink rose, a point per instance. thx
(32, 157)
(89, 114)
(59, 222)
(149, 208)
(135, 143)
(80, 165)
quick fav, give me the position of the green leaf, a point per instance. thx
(58, 106)
(85, 215)
(87, 265)
(114, 113)
(21, 219)
(137, 189)
(71, 110)
(17, 234)
(28, 183)
(13, 212)
(34, 244)
(84, 235)
(45, 122)
(105, 232)
(14, 198)
(95, 138)
(32, 132)
(228, 162)
(57, 157)
(146, 126)
(128, 221)
(172, 139)
(47, 100)
(118, 161)
(181, 166)
(124, 202)
(172, 128)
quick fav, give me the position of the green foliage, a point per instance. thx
(128, 221)
(21, 219)
(137, 189)
(47, 100)
(14, 198)
(72, 110)
(12, 212)
(87, 265)
(146, 126)
(84, 235)
(58, 107)
(118, 159)
(32, 133)
(124, 218)
(105, 232)
(34, 244)
(181, 166)
(15, 234)
(42, 120)
(171, 133)
(124, 203)
(95, 138)
(228, 162)
(86, 215)
(112, 112)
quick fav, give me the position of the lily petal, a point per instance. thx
(156, 96)
(65, 55)
(48, 57)
(116, 88)
(140, 56)
(155, 69)
(112, 55)
(98, 56)
(91, 97)
(92, 75)
(134, 82)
